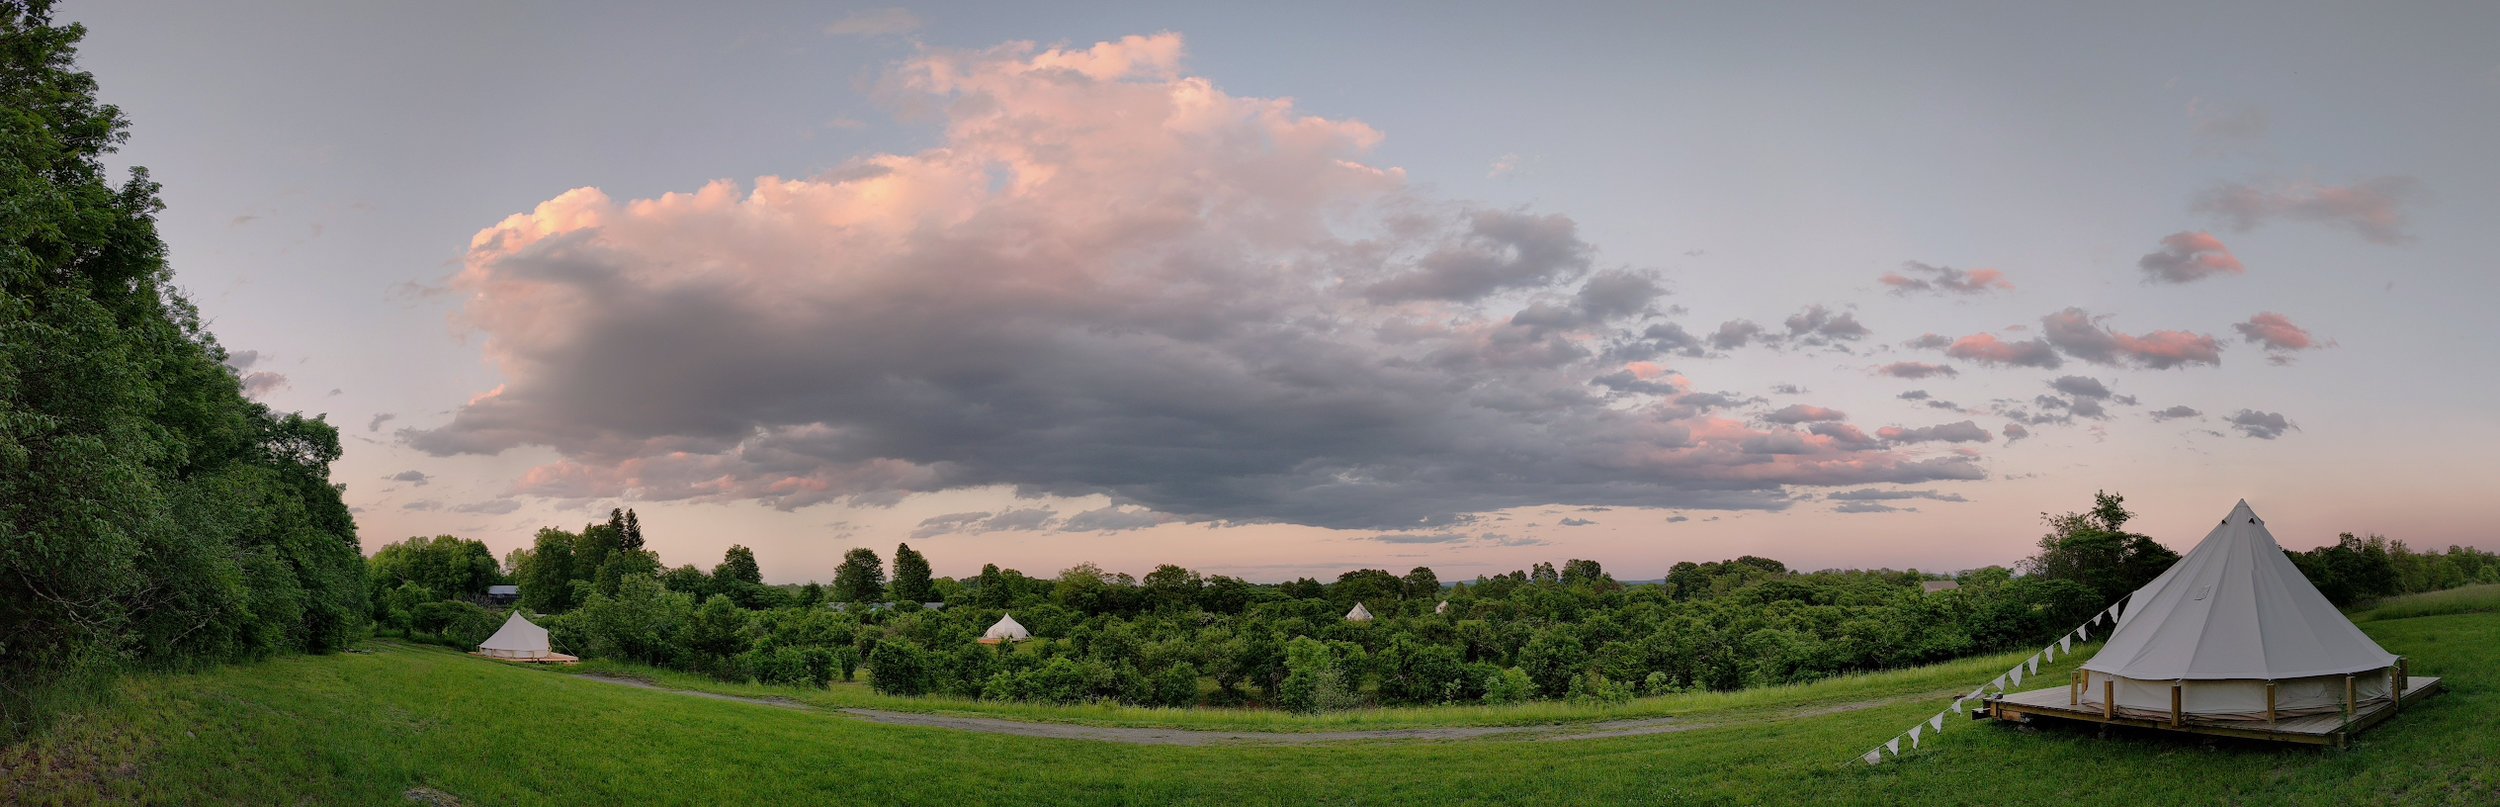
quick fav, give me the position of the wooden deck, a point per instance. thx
(551, 658)
(2326, 729)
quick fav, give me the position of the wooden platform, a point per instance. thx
(2326, 729)
(551, 658)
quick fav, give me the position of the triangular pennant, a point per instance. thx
(1914, 732)
(2034, 664)
(1893, 745)
(2084, 633)
(1874, 757)
(2000, 683)
(2048, 653)
(1957, 707)
(1936, 722)
(2066, 644)
(2016, 675)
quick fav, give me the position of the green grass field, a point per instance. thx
(365, 728)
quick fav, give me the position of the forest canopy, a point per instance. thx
(151, 516)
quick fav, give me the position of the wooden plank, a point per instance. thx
(2330, 728)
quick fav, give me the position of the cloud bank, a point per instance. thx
(1111, 278)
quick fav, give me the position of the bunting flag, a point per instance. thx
(2003, 684)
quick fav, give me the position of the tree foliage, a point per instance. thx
(150, 514)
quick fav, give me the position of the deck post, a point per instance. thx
(2109, 698)
(2174, 703)
(2074, 695)
(2395, 691)
(2269, 702)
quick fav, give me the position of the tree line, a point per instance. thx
(151, 516)
(1176, 637)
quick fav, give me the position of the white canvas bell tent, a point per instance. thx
(1006, 630)
(520, 640)
(2240, 633)
(1359, 614)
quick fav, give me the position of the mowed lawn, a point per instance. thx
(365, 728)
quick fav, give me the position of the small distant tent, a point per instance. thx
(1443, 608)
(1933, 586)
(1359, 614)
(1007, 630)
(2240, 632)
(503, 595)
(521, 640)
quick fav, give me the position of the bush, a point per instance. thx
(1509, 685)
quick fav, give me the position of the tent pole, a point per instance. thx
(2109, 698)
(2073, 696)
(2269, 702)
(2174, 703)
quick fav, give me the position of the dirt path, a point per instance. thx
(1563, 732)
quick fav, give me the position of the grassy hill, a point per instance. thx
(367, 728)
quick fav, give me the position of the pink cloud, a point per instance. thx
(1986, 348)
(2077, 333)
(1110, 278)
(1944, 279)
(2277, 335)
(2187, 257)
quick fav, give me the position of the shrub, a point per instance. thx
(1509, 685)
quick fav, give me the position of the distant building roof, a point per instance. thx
(503, 590)
(1933, 586)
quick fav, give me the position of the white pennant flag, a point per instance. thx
(2016, 675)
(2048, 653)
(2000, 683)
(2066, 644)
(1914, 732)
(2034, 664)
(1937, 722)
(1874, 757)
(1893, 745)
(1957, 707)
(2085, 632)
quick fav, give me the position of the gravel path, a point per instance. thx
(1200, 737)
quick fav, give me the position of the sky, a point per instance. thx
(1308, 288)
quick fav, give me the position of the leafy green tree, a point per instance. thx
(861, 577)
(738, 566)
(633, 531)
(545, 571)
(911, 576)
(2094, 549)
(1551, 658)
(1421, 584)
(687, 580)
(1172, 588)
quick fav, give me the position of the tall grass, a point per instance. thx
(2464, 600)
